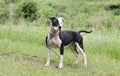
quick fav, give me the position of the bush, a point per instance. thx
(3, 14)
(114, 8)
(117, 12)
(28, 10)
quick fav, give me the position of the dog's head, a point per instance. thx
(56, 23)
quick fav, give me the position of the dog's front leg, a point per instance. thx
(48, 57)
(61, 57)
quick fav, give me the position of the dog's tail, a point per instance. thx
(86, 31)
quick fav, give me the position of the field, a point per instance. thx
(22, 43)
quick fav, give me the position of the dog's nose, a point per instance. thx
(59, 27)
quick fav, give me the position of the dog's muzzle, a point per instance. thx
(59, 27)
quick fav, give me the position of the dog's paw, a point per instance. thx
(76, 62)
(60, 66)
(47, 64)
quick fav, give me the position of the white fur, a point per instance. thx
(61, 20)
(61, 62)
(56, 28)
(84, 55)
(48, 57)
(54, 41)
(77, 60)
(72, 47)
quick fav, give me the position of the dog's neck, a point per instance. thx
(53, 32)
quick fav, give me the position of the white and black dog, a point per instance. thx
(61, 38)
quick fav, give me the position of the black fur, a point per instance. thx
(68, 36)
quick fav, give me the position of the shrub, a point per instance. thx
(114, 8)
(28, 10)
(117, 12)
(3, 14)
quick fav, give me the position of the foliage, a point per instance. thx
(28, 10)
(80, 13)
(117, 12)
(114, 8)
(4, 13)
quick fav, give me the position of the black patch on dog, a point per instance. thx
(54, 21)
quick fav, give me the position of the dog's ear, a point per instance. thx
(62, 19)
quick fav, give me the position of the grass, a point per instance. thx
(23, 52)
(22, 43)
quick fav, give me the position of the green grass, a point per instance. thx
(23, 52)
(22, 43)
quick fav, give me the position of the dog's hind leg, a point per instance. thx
(80, 46)
(74, 50)
(48, 57)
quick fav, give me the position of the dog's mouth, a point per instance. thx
(57, 28)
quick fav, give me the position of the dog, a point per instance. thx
(60, 38)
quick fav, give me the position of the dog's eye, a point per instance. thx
(54, 20)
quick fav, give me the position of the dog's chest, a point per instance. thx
(54, 41)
